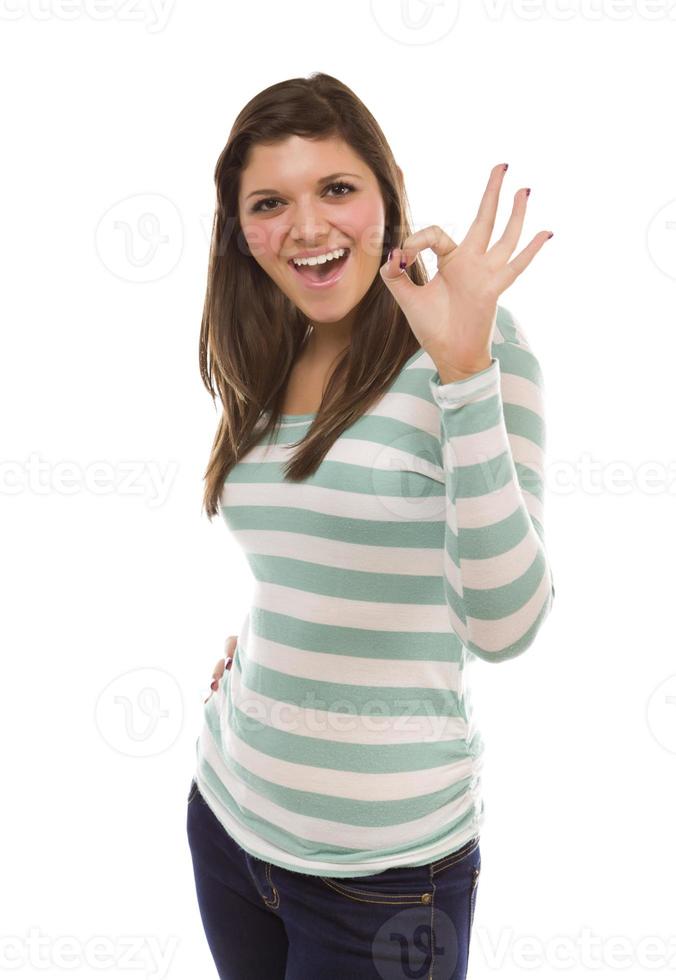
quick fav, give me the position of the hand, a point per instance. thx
(453, 315)
(223, 665)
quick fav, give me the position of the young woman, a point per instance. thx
(379, 458)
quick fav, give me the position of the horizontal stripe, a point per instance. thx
(342, 741)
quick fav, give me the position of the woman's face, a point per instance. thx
(305, 196)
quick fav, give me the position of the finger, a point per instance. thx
(397, 280)
(218, 669)
(481, 229)
(522, 260)
(433, 237)
(505, 245)
(230, 645)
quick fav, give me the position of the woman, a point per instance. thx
(335, 810)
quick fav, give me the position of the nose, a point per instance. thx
(309, 226)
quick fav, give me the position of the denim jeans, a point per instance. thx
(263, 922)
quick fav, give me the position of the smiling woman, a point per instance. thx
(394, 527)
(326, 232)
(306, 171)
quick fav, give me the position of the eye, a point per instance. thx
(258, 206)
(343, 183)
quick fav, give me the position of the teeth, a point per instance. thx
(320, 259)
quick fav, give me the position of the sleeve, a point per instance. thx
(497, 580)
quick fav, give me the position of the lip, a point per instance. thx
(329, 281)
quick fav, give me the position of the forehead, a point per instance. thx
(299, 160)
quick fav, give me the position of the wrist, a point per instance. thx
(450, 372)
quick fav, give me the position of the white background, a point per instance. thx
(113, 116)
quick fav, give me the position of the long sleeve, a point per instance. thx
(498, 583)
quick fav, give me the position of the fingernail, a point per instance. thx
(527, 191)
(228, 664)
(504, 166)
(550, 235)
(403, 264)
(214, 684)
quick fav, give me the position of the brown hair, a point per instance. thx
(251, 332)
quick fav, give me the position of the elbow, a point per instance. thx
(481, 650)
(504, 653)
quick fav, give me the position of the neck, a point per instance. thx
(325, 342)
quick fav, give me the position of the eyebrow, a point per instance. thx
(271, 190)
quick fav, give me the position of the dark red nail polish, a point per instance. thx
(504, 166)
(551, 233)
(527, 191)
(403, 264)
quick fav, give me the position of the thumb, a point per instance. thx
(397, 279)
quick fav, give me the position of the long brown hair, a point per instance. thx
(251, 332)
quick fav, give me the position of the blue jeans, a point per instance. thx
(263, 922)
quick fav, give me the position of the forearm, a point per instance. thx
(497, 579)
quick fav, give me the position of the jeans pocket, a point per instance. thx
(394, 886)
(193, 791)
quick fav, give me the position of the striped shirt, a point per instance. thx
(342, 741)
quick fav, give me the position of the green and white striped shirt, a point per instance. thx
(342, 740)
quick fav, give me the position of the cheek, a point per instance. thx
(263, 241)
(366, 221)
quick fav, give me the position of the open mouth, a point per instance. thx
(322, 273)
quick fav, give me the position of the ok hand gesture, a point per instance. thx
(453, 315)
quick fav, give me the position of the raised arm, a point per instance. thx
(499, 587)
